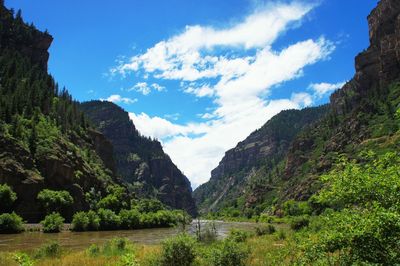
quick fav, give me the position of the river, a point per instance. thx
(28, 241)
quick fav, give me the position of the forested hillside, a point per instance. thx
(141, 161)
(51, 156)
(362, 116)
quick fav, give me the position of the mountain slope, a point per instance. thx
(45, 141)
(141, 161)
(362, 117)
(265, 146)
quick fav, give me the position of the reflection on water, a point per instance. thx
(80, 240)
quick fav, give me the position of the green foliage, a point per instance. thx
(148, 205)
(7, 197)
(365, 228)
(115, 200)
(128, 259)
(237, 235)
(265, 230)
(281, 234)
(295, 208)
(130, 219)
(52, 223)
(117, 247)
(48, 250)
(10, 223)
(178, 251)
(80, 222)
(23, 259)
(230, 254)
(108, 220)
(299, 222)
(93, 250)
(54, 201)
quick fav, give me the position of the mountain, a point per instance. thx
(263, 148)
(361, 117)
(141, 161)
(47, 141)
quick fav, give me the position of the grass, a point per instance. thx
(270, 249)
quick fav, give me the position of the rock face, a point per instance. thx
(266, 145)
(30, 42)
(379, 65)
(359, 113)
(139, 160)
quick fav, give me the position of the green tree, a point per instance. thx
(7, 197)
(54, 201)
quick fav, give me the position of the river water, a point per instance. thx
(80, 240)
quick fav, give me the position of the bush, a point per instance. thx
(230, 254)
(10, 223)
(298, 223)
(94, 221)
(178, 251)
(148, 205)
(48, 250)
(281, 235)
(93, 250)
(108, 220)
(7, 197)
(80, 222)
(296, 208)
(54, 201)
(117, 247)
(128, 259)
(130, 219)
(265, 218)
(237, 235)
(52, 223)
(265, 230)
(23, 259)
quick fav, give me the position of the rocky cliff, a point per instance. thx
(265, 146)
(361, 117)
(141, 161)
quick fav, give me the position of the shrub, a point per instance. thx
(117, 247)
(94, 221)
(52, 223)
(48, 250)
(230, 254)
(54, 201)
(108, 219)
(265, 230)
(237, 235)
(296, 208)
(178, 251)
(115, 200)
(130, 219)
(80, 222)
(93, 250)
(298, 223)
(7, 197)
(23, 259)
(281, 235)
(265, 218)
(148, 205)
(10, 223)
(128, 259)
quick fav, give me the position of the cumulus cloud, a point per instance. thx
(145, 89)
(322, 89)
(236, 67)
(119, 99)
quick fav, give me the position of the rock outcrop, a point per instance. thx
(362, 110)
(263, 147)
(139, 160)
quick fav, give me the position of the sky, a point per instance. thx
(201, 75)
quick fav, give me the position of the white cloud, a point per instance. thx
(321, 89)
(236, 67)
(145, 89)
(119, 99)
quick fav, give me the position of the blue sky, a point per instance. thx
(202, 75)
